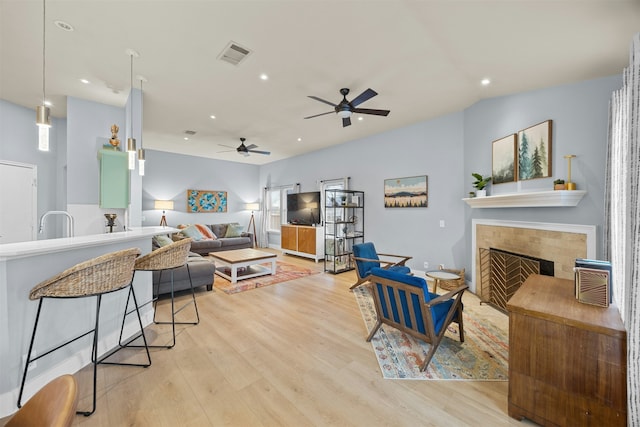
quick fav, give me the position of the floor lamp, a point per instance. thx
(164, 205)
(252, 223)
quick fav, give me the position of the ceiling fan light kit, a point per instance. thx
(345, 108)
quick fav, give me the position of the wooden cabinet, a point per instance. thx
(567, 360)
(302, 240)
(114, 179)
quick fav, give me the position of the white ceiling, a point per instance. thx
(424, 58)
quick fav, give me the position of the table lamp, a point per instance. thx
(164, 205)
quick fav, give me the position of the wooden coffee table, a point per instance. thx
(240, 264)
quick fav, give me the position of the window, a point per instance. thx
(277, 207)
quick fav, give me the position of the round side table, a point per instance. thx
(441, 276)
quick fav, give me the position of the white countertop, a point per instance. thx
(37, 247)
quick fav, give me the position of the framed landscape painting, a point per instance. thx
(534, 151)
(206, 201)
(408, 192)
(503, 163)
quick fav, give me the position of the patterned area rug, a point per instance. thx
(284, 273)
(484, 355)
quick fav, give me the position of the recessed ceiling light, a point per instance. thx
(212, 116)
(48, 103)
(360, 118)
(85, 81)
(263, 76)
(63, 25)
(485, 82)
(299, 139)
(186, 138)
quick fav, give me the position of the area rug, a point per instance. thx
(284, 273)
(484, 355)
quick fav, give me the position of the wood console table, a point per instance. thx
(567, 360)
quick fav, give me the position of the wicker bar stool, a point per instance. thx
(93, 278)
(168, 257)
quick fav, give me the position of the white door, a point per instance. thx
(18, 200)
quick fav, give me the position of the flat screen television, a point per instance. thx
(304, 208)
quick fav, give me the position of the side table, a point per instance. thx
(441, 276)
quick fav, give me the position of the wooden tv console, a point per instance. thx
(567, 360)
(302, 240)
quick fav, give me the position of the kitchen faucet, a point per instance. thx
(69, 221)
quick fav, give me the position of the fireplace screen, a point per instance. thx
(502, 273)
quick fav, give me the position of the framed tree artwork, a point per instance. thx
(534, 151)
(503, 163)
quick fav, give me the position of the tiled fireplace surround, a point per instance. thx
(560, 243)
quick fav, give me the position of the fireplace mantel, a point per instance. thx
(552, 198)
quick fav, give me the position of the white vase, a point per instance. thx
(481, 193)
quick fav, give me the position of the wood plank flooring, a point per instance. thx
(291, 354)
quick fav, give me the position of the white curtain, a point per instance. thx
(263, 237)
(622, 217)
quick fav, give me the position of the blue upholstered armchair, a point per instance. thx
(366, 258)
(404, 302)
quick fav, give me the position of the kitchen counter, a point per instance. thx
(25, 264)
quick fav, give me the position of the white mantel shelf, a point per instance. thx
(552, 198)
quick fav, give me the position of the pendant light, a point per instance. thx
(43, 119)
(131, 141)
(141, 150)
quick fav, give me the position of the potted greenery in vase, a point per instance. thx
(480, 183)
(558, 184)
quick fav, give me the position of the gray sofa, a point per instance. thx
(202, 271)
(221, 243)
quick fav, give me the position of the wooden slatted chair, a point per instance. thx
(404, 302)
(93, 278)
(366, 258)
(54, 405)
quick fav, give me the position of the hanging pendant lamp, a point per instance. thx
(141, 150)
(131, 141)
(43, 119)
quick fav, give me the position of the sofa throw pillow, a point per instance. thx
(162, 240)
(234, 230)
(206, 232)
(192, 231)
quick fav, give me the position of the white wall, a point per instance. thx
(433, 148)
(168, 177)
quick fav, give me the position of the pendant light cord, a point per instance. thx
(44, 29)
(141, 115)
(132, 96)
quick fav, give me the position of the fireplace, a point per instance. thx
(558, 243)
(502, 273)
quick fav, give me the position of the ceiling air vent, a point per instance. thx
(234, 54)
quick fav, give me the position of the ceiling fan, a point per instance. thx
(345, 108)
(244, 149)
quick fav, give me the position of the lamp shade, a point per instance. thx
(252, 206)
(163, 205)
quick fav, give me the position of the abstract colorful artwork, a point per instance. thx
(408, 192)
(206, 201)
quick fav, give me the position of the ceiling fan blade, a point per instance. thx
(260, 152)
(251, 146)
(346, 121)
(367, 94)
(227, 146)
(370, 111)
(318, 115)
(322, 100)
(245, 153)
(226, 151)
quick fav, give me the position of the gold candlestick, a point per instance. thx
(570, 185)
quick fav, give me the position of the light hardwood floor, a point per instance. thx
(291, 354)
